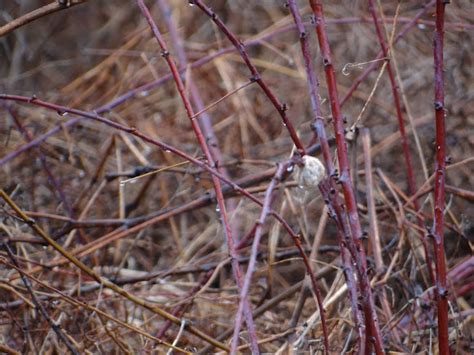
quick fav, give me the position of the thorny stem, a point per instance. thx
(380, 55)
(282, 110)
(54, 181)
(206, 59)
(279, 175)
(371, 318)
(318, 125)
(211, 199)
(204, 117)
(201, 115)
(313, 87)
(217, 185)
(335, 210)
(253, 256)
(240, 46)
(104, 282)
(56, 328)
(440, 179)
(401, 123)
(163, 146)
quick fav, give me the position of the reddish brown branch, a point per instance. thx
(43, 11)
(206, 59)
(210, 160)
(371, 318)
(163, 146)
(39, 306)
(240, 46)
(320, 131)
(52, 178)
(380, 55)
(440, 179)
(403, 134)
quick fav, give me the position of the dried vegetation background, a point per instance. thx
(73, 184)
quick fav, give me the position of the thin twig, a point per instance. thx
(217, 184)
(106, 283)
(240, 46)
(56, 327)
(204, 60)
(43, 11)
(401, 123)
(380, 55)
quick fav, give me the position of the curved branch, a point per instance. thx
(38, 13)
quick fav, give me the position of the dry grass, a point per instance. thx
(73, 185)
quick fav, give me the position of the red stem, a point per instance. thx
(345, 180)
(167, 148)
(206, 59)
(240, 46)
(216, 182)
(318, 126)
(204, 117)
(376, 63)
(163, 146)
(440, 178)
(401, 123)
(335, 210)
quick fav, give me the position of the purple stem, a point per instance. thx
(216, 182)
(52, 179)
(204, 60)
(337, 213)
(240, 46)
(318, 126)
(253, 256)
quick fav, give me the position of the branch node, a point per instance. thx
(254, 78)
(438, 105)
(64, 3)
